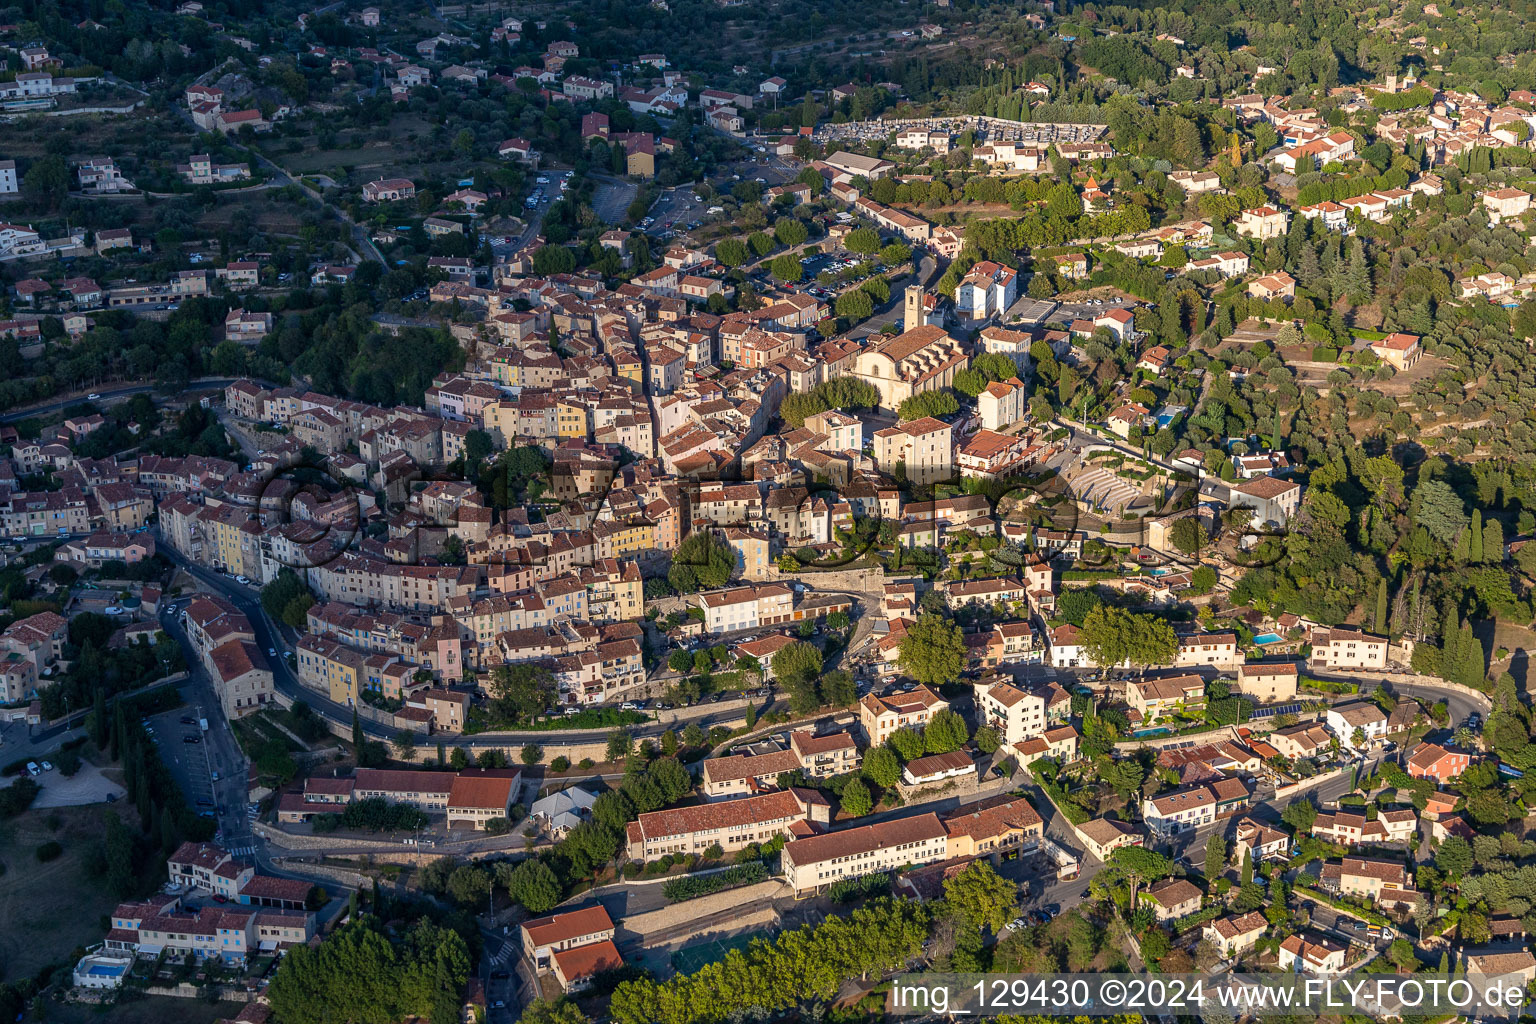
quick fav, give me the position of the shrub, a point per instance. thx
(849, 889)
(692, 886)
(49, 851)
(562, 764)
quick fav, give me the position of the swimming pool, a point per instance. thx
(1159, 572)
(107, 970)
(1267, 638)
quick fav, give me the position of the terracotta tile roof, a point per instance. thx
(865, 838)
(681, 821)
(572, 924)
(585, 961)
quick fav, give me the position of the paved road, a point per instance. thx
(928, 270)
(269, 636)
(214, 769)
(112, 394)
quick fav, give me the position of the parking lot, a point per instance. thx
(188, 762)
(611, 199)
(678, 210)
(87, 786)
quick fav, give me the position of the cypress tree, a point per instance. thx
(1450, 643)
(168, 833)
(99, 723)
(1493, 541)
(146, 805)
(130, 769)
(119, 731)
(1475, 538)
(1471, 668)
(1463, 549)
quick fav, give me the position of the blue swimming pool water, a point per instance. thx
(1149, 732)
(1158, 572)
(1267, 638)
(1163, 419)
(106, 970)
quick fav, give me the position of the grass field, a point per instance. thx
(51, 908)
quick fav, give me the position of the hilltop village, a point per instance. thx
(511, 515)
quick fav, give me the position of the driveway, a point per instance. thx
(87, 786)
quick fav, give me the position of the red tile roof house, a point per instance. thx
(476, 800)
(575, 968)
(546, 936)
(1432, 761)
(208, 867)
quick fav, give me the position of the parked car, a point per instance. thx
(47, 766)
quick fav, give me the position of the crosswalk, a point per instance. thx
(242, 851)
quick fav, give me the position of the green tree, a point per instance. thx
(404, 742)
(519, 692)
(787, 268)
(855, 305)
(531, 754)
(1113, 636)
(982, 897)
(701, 561)
(469, 885)
(531, 883)
(562, 1011)
(1300, 814)
(1454, 857)
(865, 241)
(933, 650)
(988, 739)
(1215, 855)
(881, 767)
(1187, 534)
(855, 800)
(945, 731)
(789, 231)
(732, 252)
(908, 743)
(619, 744)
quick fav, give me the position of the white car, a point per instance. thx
(628, 705)
(92, 397)
(47, 766)
(271, 652)
(542, 181)
(243, 579)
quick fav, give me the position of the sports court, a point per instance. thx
(691, 958)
